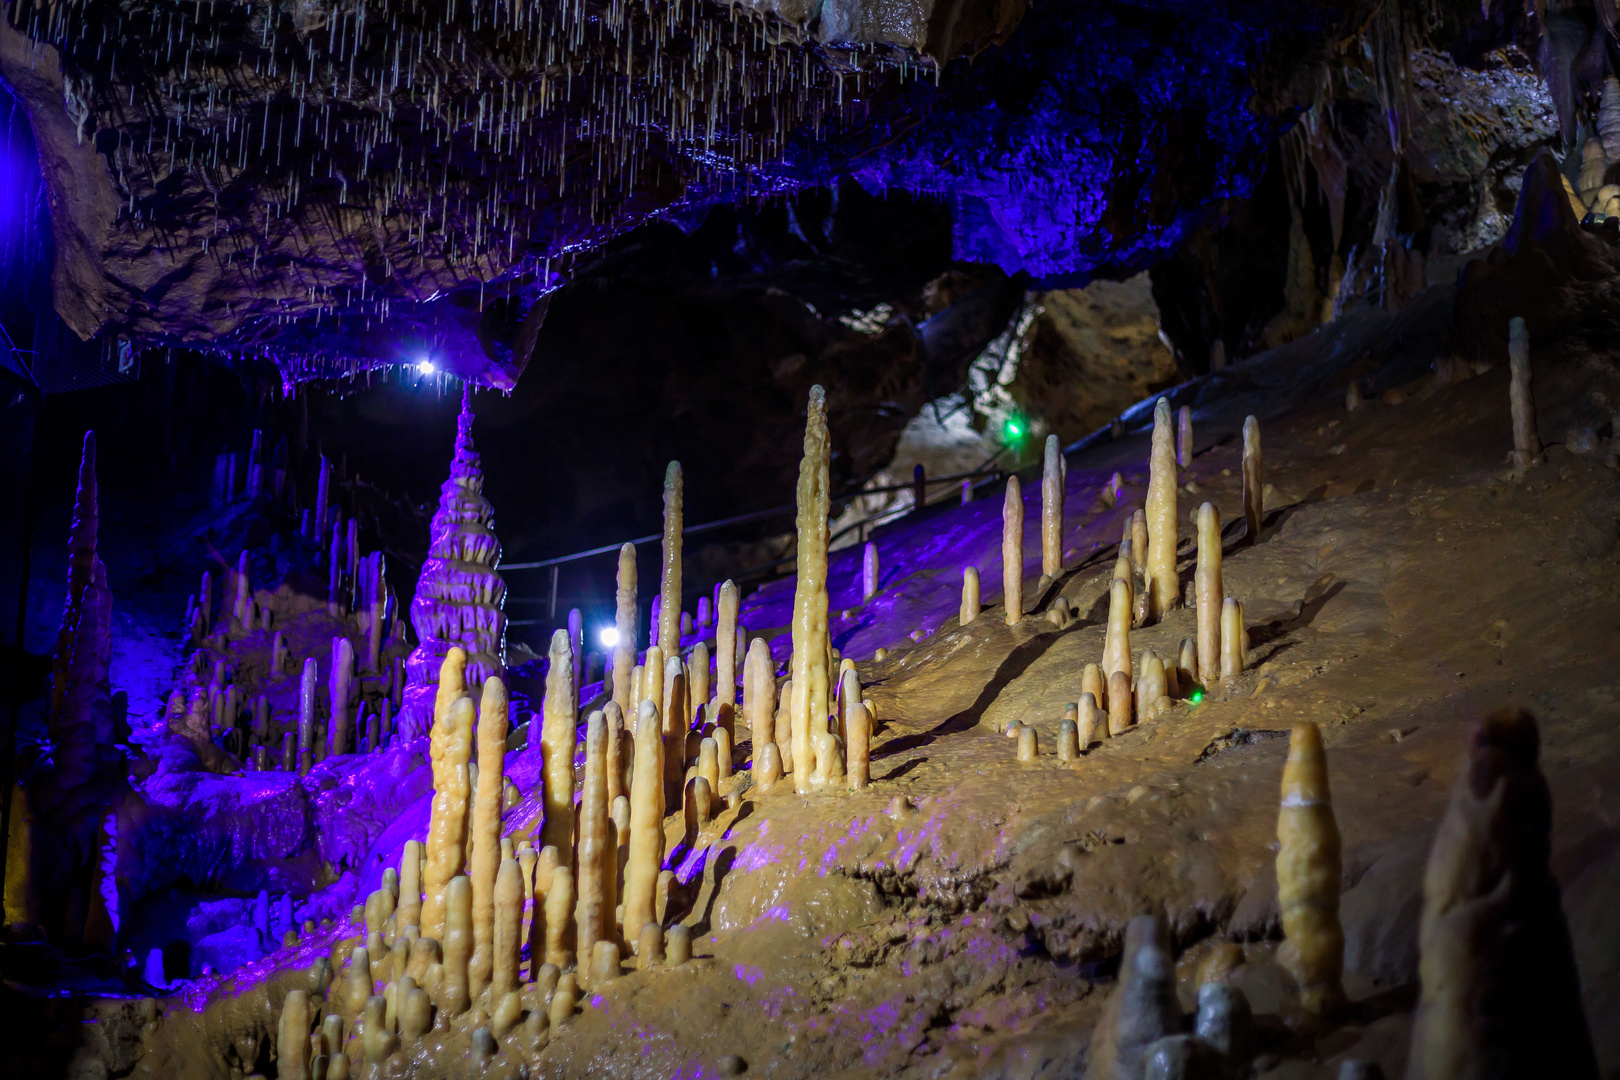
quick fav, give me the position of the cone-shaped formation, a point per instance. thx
(1143, 1009)
(1501, 996)
(460, 595)
(1163, 584)
(1309, 873)
(810, 644)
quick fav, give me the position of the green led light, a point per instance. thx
(1014, 428)
(1197, 695)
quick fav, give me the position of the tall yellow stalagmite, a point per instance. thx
(624, 621)
(486, 830)
(646, 855)
(759, 700)
(810, 645)
(1163, 584)
(725, 646)
(1052, 509)
(1012, 551)
(1309, 873)
(1117, 638)
(449, 750)
(1253, 487)
(1211, 593)
(669, 592)
(557, 736)
(592, 919)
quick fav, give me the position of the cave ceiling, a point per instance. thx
(336, 187)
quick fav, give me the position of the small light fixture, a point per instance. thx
(608, 636)
(425, 366)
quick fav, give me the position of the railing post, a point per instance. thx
(919, 486)
(552, 612)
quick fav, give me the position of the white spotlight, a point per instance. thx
(425, 366)
(608, 636)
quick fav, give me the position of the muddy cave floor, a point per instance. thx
(1406, 581)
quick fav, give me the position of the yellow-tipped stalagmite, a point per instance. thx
(870, 572)
(1117, 643)
(1028, 745)
(592, 917)
(810, 646)
(557, 732)
(1119, 701)
(625, 618)
(485, 863)
(858, 745)
(409, 912)
(1211, 592)
(560, 917)
(1092, 725)
(725, 646)
(1164, 587)
(1187, 663)
(450, 749)
(508, 940)
(1526, 440)
(415, 1014)
(1051, 509)
(1184, 437)
(759, 699)
(1012, 551)
(970, 596)
(1308, 874)
(1139, 542)
(616, 756)
(1151, 688)
(698, 689)
(1068, 739)
(1253, 485)
(669, 589)
(292, 1037)
(1094, 681)
(1234, 639)
(1501, 995)
(454, 993)
(646, 855)
(650, 943)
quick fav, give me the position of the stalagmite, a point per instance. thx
(1068, 739)
(460, 594)
(1501, 995)
(340, 696)
(242, 607)
(646, 855)
(624, 621)
(1012, 551)
(768, 769)
(869, 572)
(292, 1037)
(449, 751)
(678, 946)
(858, 745)
(1526, 442)
(560, 917)
(669, 593)
(306, 710)
(725, 645)
(699, 687)
(759, 694)
(1119, 702)
(485, 862)
(557, 735)
(1139, 542)
(415, 1014)
(454, 993)
(617, 758)
(1211, 592)
(1151, 688)
(375, 1036)
(1164, 587)
(1143, 1007)
(1187, 662)
(1117, 642)
(970, 596)
(1308, 875)
(593, 916)
(410, 885)
(1184, 437)
(1051, 509)
(1253, 487)
(1028, 747)
(1234, 640)
(810, 646)
(1094, 681)
(576, 645)
(1092, 725)
(677, 719)
(508, 930)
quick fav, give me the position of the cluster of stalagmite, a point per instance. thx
(459, 595)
